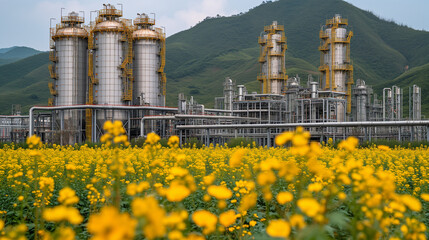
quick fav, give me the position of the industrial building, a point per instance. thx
(111, 61)
(113, 69)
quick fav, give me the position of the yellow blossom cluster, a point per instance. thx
(296, 190)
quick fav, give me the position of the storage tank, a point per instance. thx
(273, 71)
(69, 57)
(149, 62)
(69, 71)
(110, 45)
(361, 101)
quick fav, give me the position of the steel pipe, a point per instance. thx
(106, 107)
(322, 124)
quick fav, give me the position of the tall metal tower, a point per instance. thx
(272, 58)
(335, 65)
(149, 63)
(68, 55)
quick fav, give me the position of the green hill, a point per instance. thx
(13, 54)
(419, 76)
(3, 50)
(199, 59)
(24, 82)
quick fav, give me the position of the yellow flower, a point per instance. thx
(62, 213)
(278, 228)
(219, 192)
(177, 192)
(178, 172)
(349, 144)
(111, 224)
(425, 197)
(411, 202)
(283, 138)
(309, 206)
(66, 233)
(297, 221)
(227, 218)
(299, 140)
(152, 138)
(142, 207)
(34, 142)
(236, 157)
(284, 197)
(266, 178)
(383, 147)
(315, 187)
(67, 196)
(173, 141)
(206, 220)
(248, 202)
(209, 179)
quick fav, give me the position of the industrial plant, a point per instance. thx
(113, 69)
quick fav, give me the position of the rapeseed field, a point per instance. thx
(302, 190)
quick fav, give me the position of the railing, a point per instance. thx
(323, 35)
(110, 12)
(341, 21)
(261, 77)
(52, 89)
(52, 56)
(274, 28)
(342, 67)
(143, 21)
(280, 76)
(53, 74)
(75, 19)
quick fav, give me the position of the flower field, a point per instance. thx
(305, 191)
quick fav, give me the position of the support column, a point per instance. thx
(268, 137)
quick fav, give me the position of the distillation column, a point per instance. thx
(68, 54)
(272, 58)
(149, 62)
(109, 61)
(335, 64)
(415, 103)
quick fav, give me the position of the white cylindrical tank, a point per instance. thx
(361, 102)
(147, 46)
(314, 92)
(70, 61)
(240, 92)
(70, 51)
(109, 35)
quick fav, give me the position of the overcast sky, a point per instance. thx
(26, 22)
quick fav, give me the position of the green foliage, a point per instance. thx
(240, 142)
(24, 82)
(394, 143)
(419, 76)
(192, 143)
(227, 46)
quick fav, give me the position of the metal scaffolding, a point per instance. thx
(13, 128)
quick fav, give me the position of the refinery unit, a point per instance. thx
(111, 61)
(113, 69)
